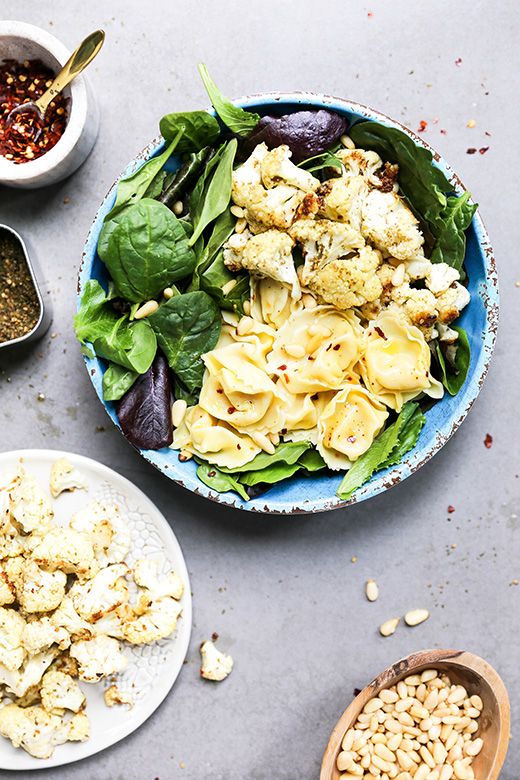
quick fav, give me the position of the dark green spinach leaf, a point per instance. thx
(320, 161)
(286, 452)
(148, 251)
(450, 246)
(216, 193)
(239, 121)
(454, 373)
(116, 381)
(217, 480)
(187, 326)
(199, 129)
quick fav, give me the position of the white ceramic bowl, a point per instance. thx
(21, 41)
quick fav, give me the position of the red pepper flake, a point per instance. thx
(283, 431)
(458, 62)
(380, 332)
(351, 439)
(314, 397)
(488, 134)
(286, 378)
(370, 14)
(336, 347)
(231, 409)
(19, 83)
(423, 126)
(444, 132)
(471, 150)
(239, 447)
(488, 441)
(483, 149)
(219, 390)
(283, 367)
(211, 473)
(451, 509)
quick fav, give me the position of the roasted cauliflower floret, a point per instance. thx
(267, 254)
(215, 665)
(323, 241)
(157, 620)
(349, 281)
(277, 168)
(64, 476)
(109, 534)
(60, 692)
(440, 276)
(114, 622)
(363, 163)
(451, 302)
(342, 199)
(40, 634)
(101, 595)
(390, 225)
(7, 588)
(30, 673)
(38, 731)
(41, 591)
(266, 208)
(30, 505)
(114, 696)
(66, 617)
(12, 653)
(68, 551)
(145, 575)
(98, 657)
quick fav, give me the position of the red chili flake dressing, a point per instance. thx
(451, 509)
(283, 367)
(422, 126)
(380, 332)
(471, 150)
(21, 82)
(488, 441)
(458, 62)
(483, 149)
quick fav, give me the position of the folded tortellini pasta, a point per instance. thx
(272, 302)
(202, 434)
(395, 364)
(315, 349)
(348, 425)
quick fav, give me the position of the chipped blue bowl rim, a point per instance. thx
(300, 495)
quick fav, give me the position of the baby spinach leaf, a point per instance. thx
(454, 372)
(217, 480)
(286, 452)
(116, 381)
(199, 129)
(238, 120)
(130, 190)
(320, 161)
(216, 276)
(187, 326)
(148, 251)
(450, 246)
(270, 474)
(411, 425)
(144, 412)
(311, 460)
(216, 193)
(223, 227)
(114, 338)
(371, 460)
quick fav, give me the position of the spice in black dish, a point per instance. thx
(19, 304)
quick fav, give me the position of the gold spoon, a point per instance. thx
(475, 674)
(77, 62)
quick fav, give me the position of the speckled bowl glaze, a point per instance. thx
(480, 319)
(21, 41)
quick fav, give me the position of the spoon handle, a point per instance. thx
(78, 60)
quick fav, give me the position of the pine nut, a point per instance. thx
(365, 760)
(472, 727)
(380, 763)
(434, 732)
(473, 748)
(146, 309)
(398, 275)
(420, 692)
(422, 772)
(389, 697)
(245, 326)
(178, 411)
(344, 761)
(461, 773)
(372, 590)
(428, 675)
(458, 694)
(240, 226)
(455, 754)
(374, 722)
(394, 742)
(404, 760)
(309, 301)
(294, 350)
(446, 772)
(419, 712)
(314, 343)
(226, 288)
(414, 617)
(433, 775)
(406, 719)
(427, 756)
(263, 442)
(347, 141)
(274, 437)
(402, 690)
(237, 241)
(178, 207)
(383, 752)
(348, 739)
(413, 679)
(439, 753)
(313, 330)
(432, 699)
(406, 744)
(168, 293)
(404, 704)
(378, 739)
(247, 308)
(237, 211)
(476, 702)
(394, 726)
(426, 724)
(472, 712)
(389, 626)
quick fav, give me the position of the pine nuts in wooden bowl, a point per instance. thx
(435, 715)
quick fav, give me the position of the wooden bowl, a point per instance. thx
(475, 674)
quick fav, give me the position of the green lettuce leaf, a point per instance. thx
(454, 373)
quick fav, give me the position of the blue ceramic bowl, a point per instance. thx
(480, 319)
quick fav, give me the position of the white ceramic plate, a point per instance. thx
(152, 669)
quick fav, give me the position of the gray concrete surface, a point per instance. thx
(282, 593)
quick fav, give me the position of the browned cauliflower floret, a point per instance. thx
(360, 162)
(67, 550)
(348, 282)
(451, 302)
(41, 633)
(342, 199)
(107, 591)
(390, 225)
(59, 692)
(38, 731)
(30, 505)
(277, 168)
(64, 476)
(12, 653)
(267, 254)
(323, 241)
(41, 591)
(114, 696)
(98, 657)
(7, 589)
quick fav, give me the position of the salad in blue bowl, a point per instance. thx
(288, 303)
